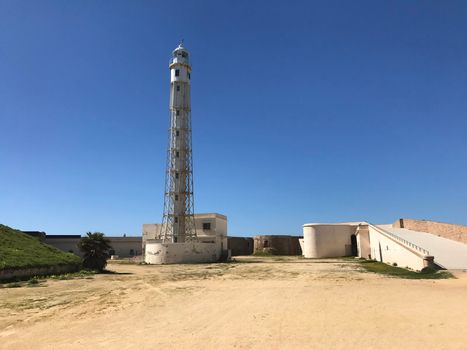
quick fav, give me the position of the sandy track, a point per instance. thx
(254, 304)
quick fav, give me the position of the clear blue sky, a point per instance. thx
(302, 112)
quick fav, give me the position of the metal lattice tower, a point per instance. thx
(178, 224)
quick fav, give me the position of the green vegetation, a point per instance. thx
(37, 281)
(72, 275)
(393, 271)
(18, 250)
(96, 250)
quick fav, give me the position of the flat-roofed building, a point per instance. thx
(210, 228)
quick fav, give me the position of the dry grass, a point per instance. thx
(252, 303)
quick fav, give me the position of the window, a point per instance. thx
(176, 197)
(177, 154)
(176, 175)
(206, 225)
(178, 87)
(175, 219)
(177, 72)
(177, 112)
(177, 133)
(189, 75)
(132, 252)
(266, 244)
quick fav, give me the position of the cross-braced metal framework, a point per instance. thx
(178, 224)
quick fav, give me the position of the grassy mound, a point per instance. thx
(385, 269)
(18, 250)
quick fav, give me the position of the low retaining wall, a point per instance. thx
(11, 274)
(180, 253)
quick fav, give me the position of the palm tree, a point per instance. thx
(96, 250)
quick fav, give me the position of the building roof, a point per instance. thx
(353, 223)
(210, 215)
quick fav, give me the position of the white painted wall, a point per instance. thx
(217, 233)
(334, 240)
(363, 242)
(327, 240)
(390, 251)
(178, 253)
(301, 241)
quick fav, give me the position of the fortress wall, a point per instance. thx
(240, 245)
(278, 244)
(450, 231)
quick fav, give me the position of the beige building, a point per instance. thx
(123, 247)
(210, 228)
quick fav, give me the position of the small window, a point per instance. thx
(176, 197)
(177, 112)
(177, 154)
(132, 252)
(206, 225)
(175, 219)
(189, 75)
(177, 133)
(266, 244)
(178, 87)
(176, 175)
(177, 72)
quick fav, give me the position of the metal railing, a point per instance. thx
(401, 240)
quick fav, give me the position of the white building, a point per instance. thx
(386, 243)
(211, 231)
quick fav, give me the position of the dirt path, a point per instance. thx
(264, 303)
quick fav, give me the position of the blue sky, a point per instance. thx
(309, 111)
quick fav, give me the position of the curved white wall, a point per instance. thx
(327, 241)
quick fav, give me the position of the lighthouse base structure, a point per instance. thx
(158, 252)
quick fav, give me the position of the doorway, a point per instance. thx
(354, 246)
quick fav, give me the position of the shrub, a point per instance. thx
(428, 270)
(96, 251)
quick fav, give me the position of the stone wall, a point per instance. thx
(277, 245)
(450, 231)
(9, 274)
(240, 245)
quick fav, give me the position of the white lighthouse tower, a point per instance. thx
(175, 240)
(178, 224)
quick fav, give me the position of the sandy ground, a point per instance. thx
(256, 303)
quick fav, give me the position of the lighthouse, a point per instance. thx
(182, 237)
(178, 224)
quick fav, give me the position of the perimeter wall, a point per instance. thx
(450, 231)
